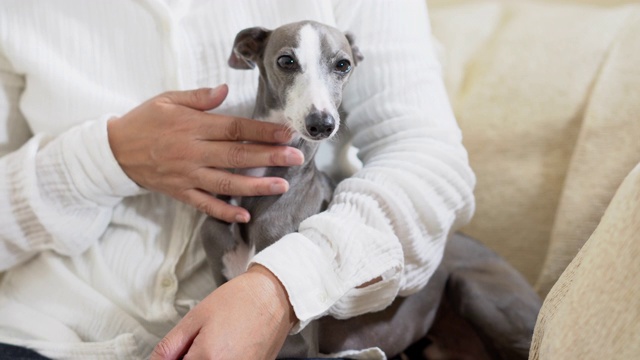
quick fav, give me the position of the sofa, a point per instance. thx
(547, 95)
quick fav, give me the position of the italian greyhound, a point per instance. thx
(303, 68)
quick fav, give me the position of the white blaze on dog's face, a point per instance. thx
(303, 70)
(312, 100)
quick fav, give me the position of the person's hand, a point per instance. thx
(248, 317)
(170, 145)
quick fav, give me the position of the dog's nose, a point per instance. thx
(320, 125)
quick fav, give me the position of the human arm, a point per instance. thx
(43, 203)
(58, 192)
(386, 228)
(248, 317)
(390, 220)
(184, 152)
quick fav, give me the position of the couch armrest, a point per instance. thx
(598, 292)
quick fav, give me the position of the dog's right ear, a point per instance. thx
(355, 51)
(248, 47)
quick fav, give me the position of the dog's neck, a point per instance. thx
(295, 175)
(299, 177)
(309, 192)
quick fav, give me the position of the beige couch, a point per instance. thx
(548, 98)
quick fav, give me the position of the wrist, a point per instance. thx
(116, 127)
(274, 294)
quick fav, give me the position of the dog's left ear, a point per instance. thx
(355, 51)
(248, 47)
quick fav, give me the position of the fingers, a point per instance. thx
(228, 128)
(216, 208)
(199, 99)
(221, 182)
(176, 343)
(236, 155)
(221, 127)
(169, 144)
(215, 181)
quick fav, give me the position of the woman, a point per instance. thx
(100, 187)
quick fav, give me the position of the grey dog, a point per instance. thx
(304, 67)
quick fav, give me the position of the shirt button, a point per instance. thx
(166, 282)
(323, 297)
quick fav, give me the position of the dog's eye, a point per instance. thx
(343, 66)
(287, 62)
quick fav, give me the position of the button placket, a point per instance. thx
(169, 16)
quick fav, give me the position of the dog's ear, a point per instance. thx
(355, 51)
(248, 47)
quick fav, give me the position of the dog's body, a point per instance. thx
(230, 246)
(303, 68)
(307, 102)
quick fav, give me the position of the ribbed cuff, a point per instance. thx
(322, 277)
(307, 272)
(93, 169)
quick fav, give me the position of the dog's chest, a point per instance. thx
(273, 217)
(236, 261)
(254, 172)
(269, 224)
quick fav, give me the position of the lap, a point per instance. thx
(14, 352)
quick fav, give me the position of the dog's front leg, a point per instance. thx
(217, 239)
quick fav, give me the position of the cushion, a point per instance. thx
(545, 95)
(597, 293)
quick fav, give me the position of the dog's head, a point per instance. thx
(304, 67)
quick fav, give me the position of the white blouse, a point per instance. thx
(96, 267)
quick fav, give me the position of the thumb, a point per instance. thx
(200, 99)
(175, 344)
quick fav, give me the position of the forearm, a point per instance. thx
(416, 176)
(58, 194)
(387, 225)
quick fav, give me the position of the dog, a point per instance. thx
(304, 67)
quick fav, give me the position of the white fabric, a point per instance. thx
(99, 268)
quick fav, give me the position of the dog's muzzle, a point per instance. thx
(319, 125)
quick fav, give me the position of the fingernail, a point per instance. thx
(216, 90)
(242, 218)
(294, 157)
(279, 188)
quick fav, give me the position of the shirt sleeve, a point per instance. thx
(56, 193)
(391, 220)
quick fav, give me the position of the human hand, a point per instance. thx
(249, 317)
(170, 145)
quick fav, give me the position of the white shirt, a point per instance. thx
(98, 268)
